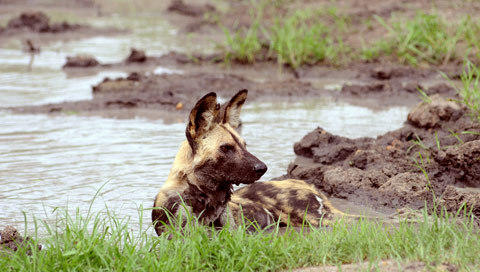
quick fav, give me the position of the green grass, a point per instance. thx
(301, 38)
(104, 241)
(470, 91)
(427, 38)
(244, 45)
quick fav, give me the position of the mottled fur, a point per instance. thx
(290, 201)
(212, 159)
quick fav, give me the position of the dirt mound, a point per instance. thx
(439, 140)
(12, 240)
(39, 22)
(429, 114)
(136, 56)
(180, 7)
(81, 61)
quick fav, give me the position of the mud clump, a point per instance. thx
(463, 161)
(13, 241)
(388, 171)
(136, 56)
(180, 7)
(454, 198)
(81, 61)
(35, 21)
(39, 22)
(389, 72)
(429, 114)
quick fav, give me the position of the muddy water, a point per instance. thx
(48, 162)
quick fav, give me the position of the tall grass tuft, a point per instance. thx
(426, 38)
(470, 91)
(244, 44)
(104, 241)
(301, 38)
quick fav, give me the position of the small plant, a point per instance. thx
(244, 44)
(470, 91)
(426, 38)
(300, 38)
(424, 96)
(296, 41)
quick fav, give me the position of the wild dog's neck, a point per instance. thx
(182, 165)
(182, 172)
(210, 202)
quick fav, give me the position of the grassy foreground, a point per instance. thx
(105, 242)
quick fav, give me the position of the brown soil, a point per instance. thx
(171, 95)
(12, 240)
(35, 28)
(81, 61)
(38, 22)
(193, 10)
(387, 265)
(381, 172)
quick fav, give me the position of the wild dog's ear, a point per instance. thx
(201, 118)
(233, 109)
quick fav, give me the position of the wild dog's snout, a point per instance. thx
(260, 168)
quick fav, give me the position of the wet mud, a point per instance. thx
(39, 22)
(168, 95)
(188, 77)
(36, 28)
(187, 9)
(434, 155)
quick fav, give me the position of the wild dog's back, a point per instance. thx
(290, 200)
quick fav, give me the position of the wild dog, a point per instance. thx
(212, 159)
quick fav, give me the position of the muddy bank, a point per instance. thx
(436, 153)
(36, 27)
(169, 94)
(185, 78)
(11, 240)
(39, 22)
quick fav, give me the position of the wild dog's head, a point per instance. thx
(219, 152)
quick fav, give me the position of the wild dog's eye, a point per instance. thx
(226, 148)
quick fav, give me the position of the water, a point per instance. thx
(48, 162)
